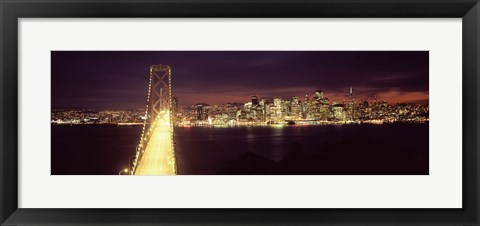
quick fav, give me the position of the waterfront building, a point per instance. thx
(276, 110)
(295, 108)
(202, 111)
(339, 113)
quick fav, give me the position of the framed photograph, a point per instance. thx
(255, 121)
(226, 112)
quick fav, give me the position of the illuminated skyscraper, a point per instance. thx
(295, 108)
(202, 111)
(262, 109)
(262, 102)
(319, 107)
(351, 105)
(338, 112)
(277, 102)
(276, 109)
(305, 107)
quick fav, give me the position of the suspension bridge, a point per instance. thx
(155, 153)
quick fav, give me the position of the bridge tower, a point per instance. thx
(155, 153)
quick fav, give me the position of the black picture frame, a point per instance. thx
(12, 10)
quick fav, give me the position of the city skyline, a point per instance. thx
(100, 80)
(286, 113)
(312, 110)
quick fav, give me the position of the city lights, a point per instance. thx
(241, 117)
(261, 112)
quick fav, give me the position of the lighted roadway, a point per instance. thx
(158, 158)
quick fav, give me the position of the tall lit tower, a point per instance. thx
(155, 153)
(295, 107)
(352, 104)
(202, 113)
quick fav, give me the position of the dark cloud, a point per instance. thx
(119, 79)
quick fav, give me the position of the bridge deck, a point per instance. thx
(158, 158)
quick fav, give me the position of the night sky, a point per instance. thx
(119, 79)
